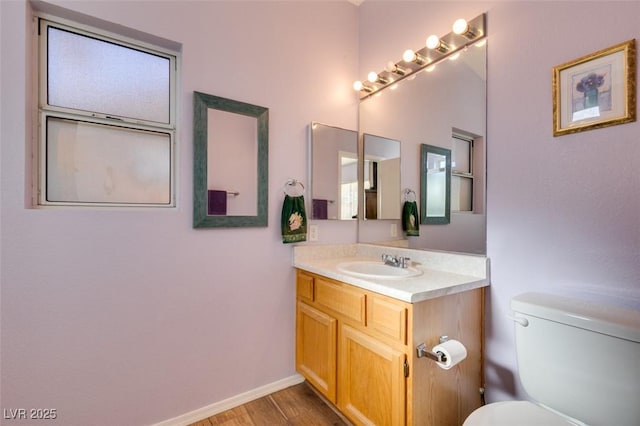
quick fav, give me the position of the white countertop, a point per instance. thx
(443, 273)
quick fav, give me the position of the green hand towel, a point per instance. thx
(294, 220)
(410, 221)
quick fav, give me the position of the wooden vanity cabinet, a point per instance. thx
(357, 348)
(371, 379)
(316, 340)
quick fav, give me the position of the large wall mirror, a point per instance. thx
(231, 140)
(434, 107)
(333, 172)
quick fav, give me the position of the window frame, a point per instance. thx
(45, 111)
(465, 175)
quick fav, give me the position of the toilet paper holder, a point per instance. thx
(422, 351)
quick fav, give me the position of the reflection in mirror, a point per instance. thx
(381, 171)
(431, 108)
(234, 137)
(229, 193)
(435, 185)
(334, 172)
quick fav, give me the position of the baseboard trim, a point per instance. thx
(227, 404)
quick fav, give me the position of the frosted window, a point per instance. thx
(93, 163)
(436, 195)
(85, 73)
(462, 173)
(461, 193)
(461, 155)
(436, 185)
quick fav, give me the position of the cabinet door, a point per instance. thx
(371, 380)
(316, 349)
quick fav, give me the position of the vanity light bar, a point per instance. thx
(436, 49)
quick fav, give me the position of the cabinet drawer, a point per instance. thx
(304, 286)
(387, 317)
(342, 299)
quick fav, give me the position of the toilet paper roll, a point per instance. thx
(453, 350)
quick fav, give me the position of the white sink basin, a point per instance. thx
(372, 269)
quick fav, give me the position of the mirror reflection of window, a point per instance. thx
(436, 184)
(461, 173)
(348, 185)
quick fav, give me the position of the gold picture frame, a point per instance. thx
(597, 90)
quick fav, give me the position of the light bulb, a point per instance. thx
(460, 26)
(433, 41)
(411, 56)
(408, 55)
(357, 85)
(390, 67)
(372, 77)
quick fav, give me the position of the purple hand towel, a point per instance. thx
(320, 209)
(217, 203)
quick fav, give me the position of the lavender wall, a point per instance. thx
(133, 317)
(562, 212)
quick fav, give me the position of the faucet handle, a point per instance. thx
(404, 262)
(390, 260)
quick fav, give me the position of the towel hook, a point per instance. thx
(293, 188)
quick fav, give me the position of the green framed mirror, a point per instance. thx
(435, 184)
(230, 162)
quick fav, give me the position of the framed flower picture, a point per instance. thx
(594, 91)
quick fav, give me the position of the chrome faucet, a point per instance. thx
(397, 261)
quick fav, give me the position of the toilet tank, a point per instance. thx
(579, 358)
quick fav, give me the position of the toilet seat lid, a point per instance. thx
(515, 413)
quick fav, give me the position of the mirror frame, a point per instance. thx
(425, 150)
(202, 102)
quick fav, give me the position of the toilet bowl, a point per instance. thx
(578, 362)
(516, 413)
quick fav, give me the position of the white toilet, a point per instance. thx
(578, 361)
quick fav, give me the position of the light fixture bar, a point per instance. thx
(394, 68)
(463, 35)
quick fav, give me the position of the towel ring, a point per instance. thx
(410, 195)
(293, 188)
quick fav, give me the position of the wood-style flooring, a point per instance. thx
(296, 405)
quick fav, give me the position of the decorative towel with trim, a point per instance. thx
(410, 220)
(294, 220)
